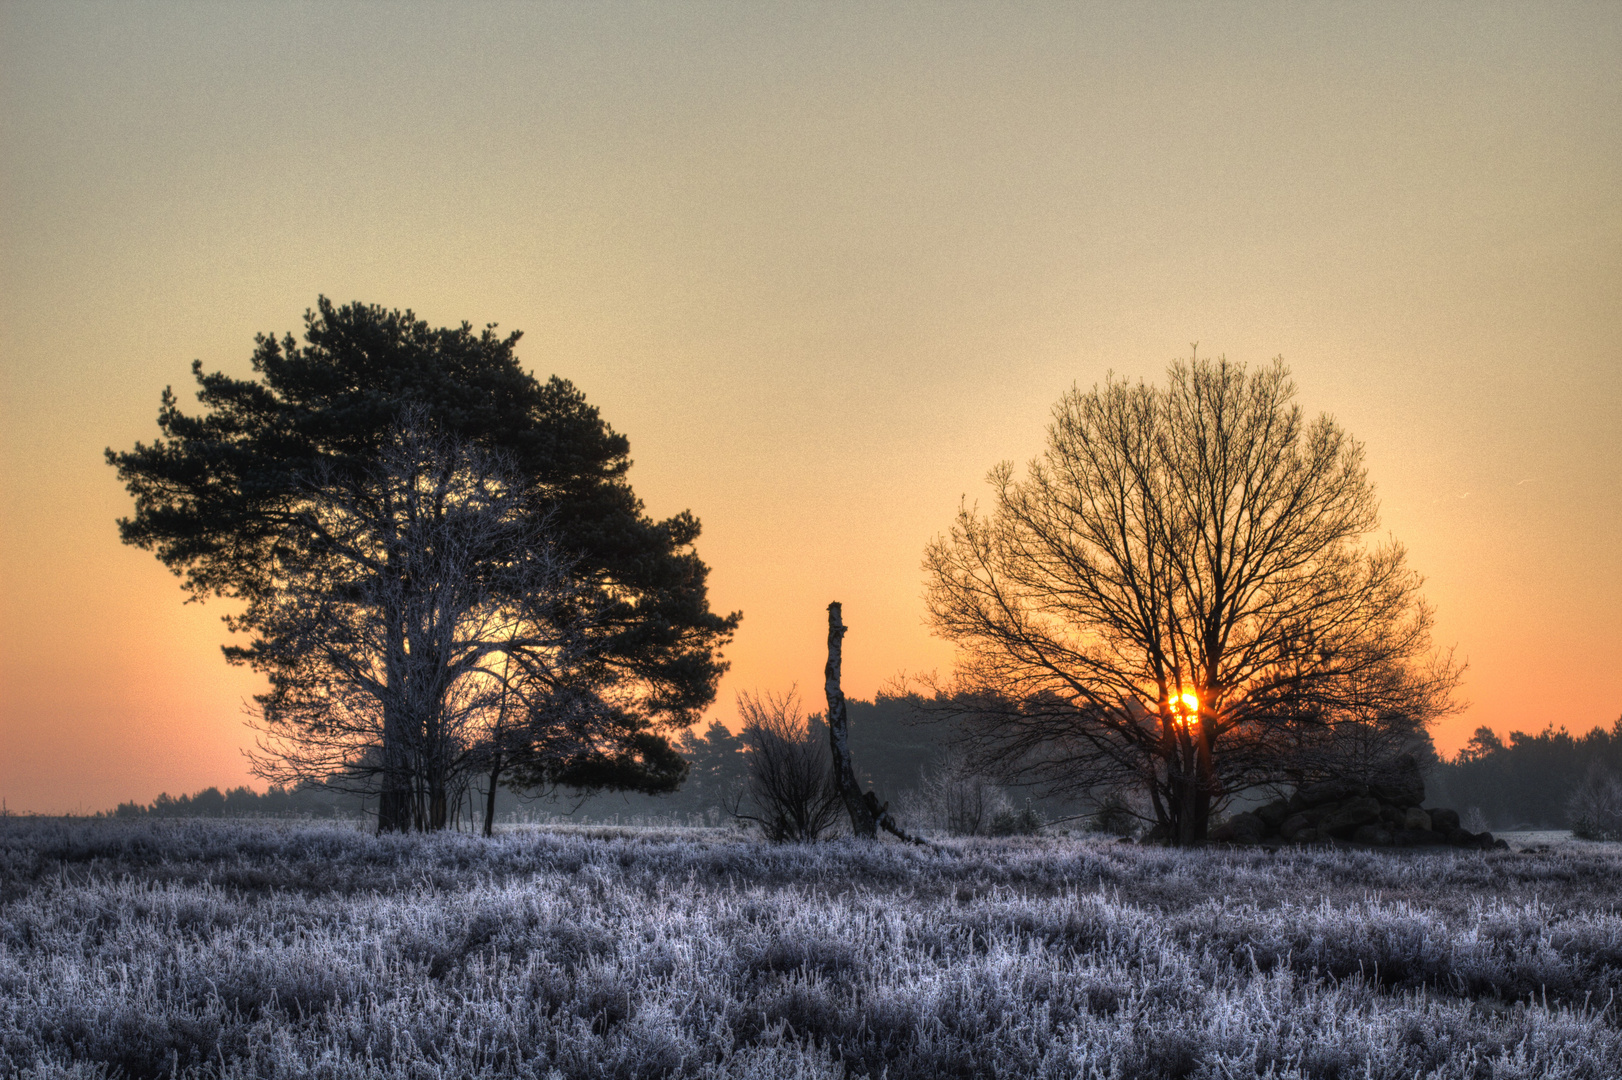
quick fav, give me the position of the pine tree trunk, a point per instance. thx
(394, 797)
(394, 803)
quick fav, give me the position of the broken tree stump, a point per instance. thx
(867, 813)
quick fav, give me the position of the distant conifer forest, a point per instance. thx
(1525, 781)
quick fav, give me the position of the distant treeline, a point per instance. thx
(241, 802)
(1524, 781)
(1529, 779)
(889, 747)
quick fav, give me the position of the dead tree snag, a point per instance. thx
(863, 821)
(867, 813)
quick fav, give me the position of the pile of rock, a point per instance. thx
(1388, 814)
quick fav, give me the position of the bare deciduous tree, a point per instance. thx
(1180, 593)
(791, 790)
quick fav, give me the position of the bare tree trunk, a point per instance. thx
(863, 820)
(1190, 823)
(490, 799)
(1205, 782)
(438, 805)
(1192, 786)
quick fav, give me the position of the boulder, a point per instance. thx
(1317, 815)
(1294, 825)
(1443, 820)
(1350, 815)
(1248, 828)
(1274, 813)
(1239, 829)
(1401, 785)
(1382, 811)
(1328, 791)
(1375, 835)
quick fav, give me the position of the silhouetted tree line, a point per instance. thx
(1530, 779)
(307, 801)
(889, 749)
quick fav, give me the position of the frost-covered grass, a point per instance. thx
(271, 950)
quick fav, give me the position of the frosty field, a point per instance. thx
(157, 949)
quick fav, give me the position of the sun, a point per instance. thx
(1185, 706)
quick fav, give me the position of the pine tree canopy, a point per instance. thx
(214, 494)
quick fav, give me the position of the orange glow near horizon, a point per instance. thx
(824, 266)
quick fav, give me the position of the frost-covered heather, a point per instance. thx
(260, 950)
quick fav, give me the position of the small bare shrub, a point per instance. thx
(1475, 821)
(959, 799)
(1008, 821)
(791, 787)
(1114, 816)
(1596, 806)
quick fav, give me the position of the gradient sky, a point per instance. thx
(824, 265)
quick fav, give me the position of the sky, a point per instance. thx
(824, 265)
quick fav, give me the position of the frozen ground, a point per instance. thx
(197, 948)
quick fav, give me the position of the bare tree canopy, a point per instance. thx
(1183, 592)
